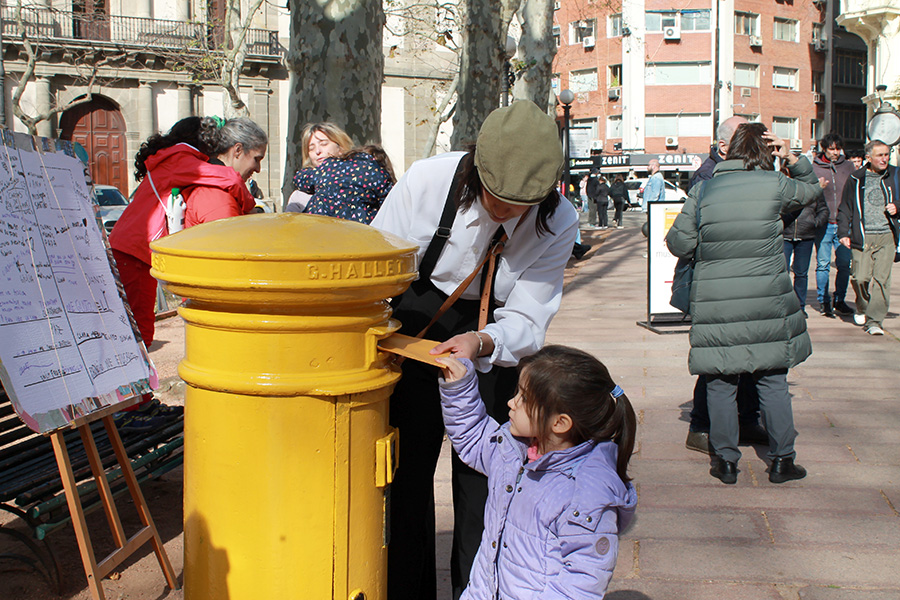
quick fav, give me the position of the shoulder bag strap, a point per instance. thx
(440, 237)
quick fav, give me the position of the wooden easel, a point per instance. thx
(125, 546)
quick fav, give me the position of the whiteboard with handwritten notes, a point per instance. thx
(67, 345)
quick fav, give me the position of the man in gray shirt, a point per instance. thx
(868, 225)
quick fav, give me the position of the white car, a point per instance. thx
(635, 189)
(112, 204)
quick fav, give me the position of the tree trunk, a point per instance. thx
(539, 48)
(480, 68)
(337, 68)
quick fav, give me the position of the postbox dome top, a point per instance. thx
(299, 258)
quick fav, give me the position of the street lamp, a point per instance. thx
(508, 78)
(566, 97)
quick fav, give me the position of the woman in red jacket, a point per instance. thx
(210, 162)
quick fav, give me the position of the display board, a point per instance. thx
(661, 266)
(67, 344)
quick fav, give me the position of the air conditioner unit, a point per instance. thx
(755, 41)
(615, 93)
(796, 144)
(671, 141)
(596, 144)
(817, 97)
(672, 32)
(588, 41)
(746, 92)
(820, 45)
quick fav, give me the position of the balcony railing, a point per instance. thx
(46, 25)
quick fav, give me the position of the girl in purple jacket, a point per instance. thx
(558, 488)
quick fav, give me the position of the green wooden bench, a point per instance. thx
(31, 489)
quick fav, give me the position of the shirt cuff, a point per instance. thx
(484, 364)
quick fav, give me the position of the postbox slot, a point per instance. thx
(386, 458)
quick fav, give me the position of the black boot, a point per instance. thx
(783, 469)
(827, 311)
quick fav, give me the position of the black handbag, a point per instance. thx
(684, 271)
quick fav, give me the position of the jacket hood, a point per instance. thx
(821, 161)
(608, 489)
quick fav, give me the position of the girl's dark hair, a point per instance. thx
(376, 152)
(749, 145)
(619, 179)
(470, 191)
(562, 380)
(184, 131)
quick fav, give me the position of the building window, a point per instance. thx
(746, 75)
(589, 124)
(684, 125)
(554, 83)
(746, 23)
(784, 78)
(751, 117)
(849, 122)
(614, 127)
(818, 31)
(614, 26)
(556, 35)
(583, 81)
(615, 76)
(678, 74)
(695, 20)
(655, 21)
(850, 68)
(818, 78)
(815, 125)
(578, 30)
(785, 30)
(785, 127)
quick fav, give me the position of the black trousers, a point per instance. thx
(415, 411)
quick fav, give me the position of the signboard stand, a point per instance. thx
(69, 351)
(125, 547)
(662, 317)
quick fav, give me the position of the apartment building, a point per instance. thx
(656, 76)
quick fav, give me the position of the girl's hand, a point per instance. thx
(453, 370)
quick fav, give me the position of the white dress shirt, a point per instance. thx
(529, 280)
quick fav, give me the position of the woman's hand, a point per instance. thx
(453, 369)
(780, 148)
(464, 345)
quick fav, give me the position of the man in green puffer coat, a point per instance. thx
(745, 315)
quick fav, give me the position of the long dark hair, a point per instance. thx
(187, 130)
(470, 191)
(377, 152)
(749, 145)
(562, 380)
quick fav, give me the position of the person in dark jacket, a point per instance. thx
(832, 168)
(598, 197)
(799, 234)
(868, 225)
(745, 317)
(718, 150)
(619, 194)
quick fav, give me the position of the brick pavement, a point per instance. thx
(834, 535)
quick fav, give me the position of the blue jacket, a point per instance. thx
(550, 526)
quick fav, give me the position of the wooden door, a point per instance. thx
(99, 127)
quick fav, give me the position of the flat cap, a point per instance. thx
(518, 153)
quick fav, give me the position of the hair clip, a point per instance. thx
(616, 392)
(219, 121)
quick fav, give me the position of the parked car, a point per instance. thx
(635, 189)
(112, 204)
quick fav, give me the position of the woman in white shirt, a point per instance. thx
(456, 206)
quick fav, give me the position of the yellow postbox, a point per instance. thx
(288, 451)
